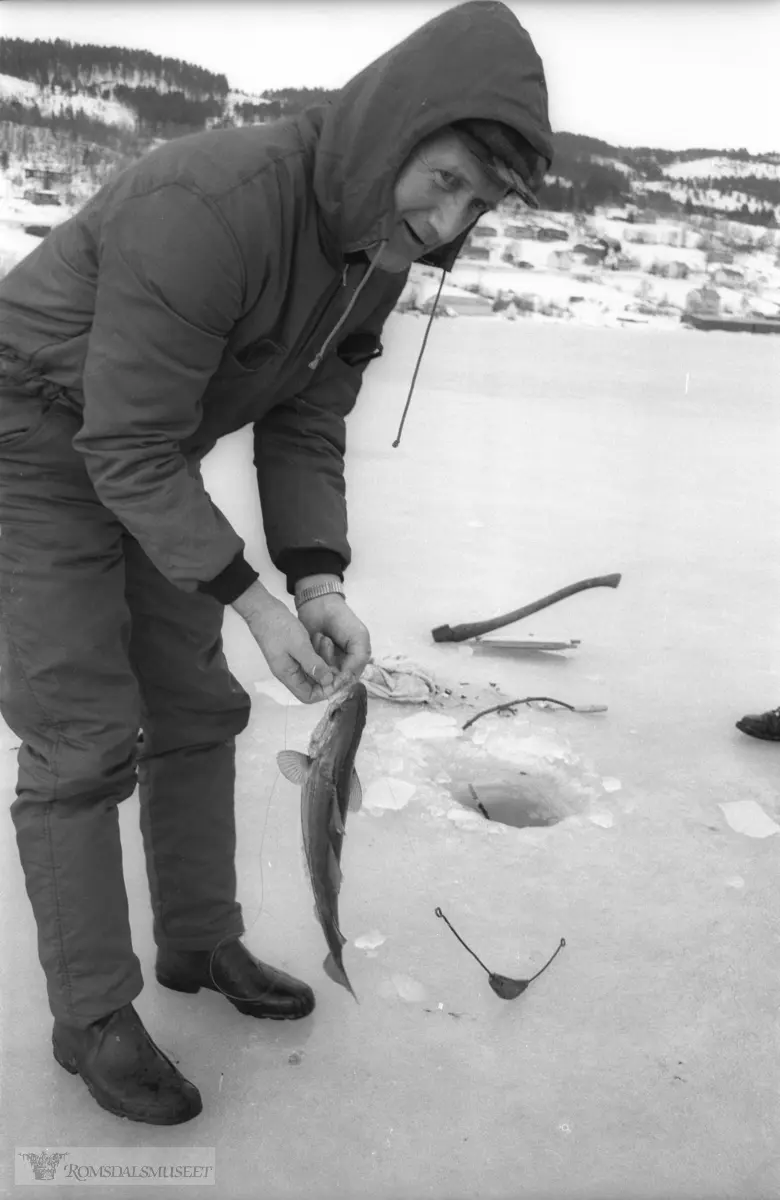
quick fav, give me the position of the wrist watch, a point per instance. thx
(333, 586)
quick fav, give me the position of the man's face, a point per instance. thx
(441, 190)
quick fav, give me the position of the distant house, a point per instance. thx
(584, 253)
(482, 253)
(560, 260)
(458, 300)
(48, 176)
(551, 233)
(520, 231)
(671, 269)
(728, 277)
(41, 196)
(719, 254)
(703, 302)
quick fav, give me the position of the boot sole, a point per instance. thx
(763, 737)
(116, 1110)
(247, 1007)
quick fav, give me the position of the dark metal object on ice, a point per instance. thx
(491, 642)
(461, 633)
(581, 708)
(502, 985)
(329, 787)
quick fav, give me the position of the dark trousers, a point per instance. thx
(95, 646)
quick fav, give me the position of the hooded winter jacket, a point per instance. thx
(217, 282)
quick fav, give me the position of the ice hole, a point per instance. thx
(538, 793)
(522, 801)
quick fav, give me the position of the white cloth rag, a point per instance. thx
(397, 678)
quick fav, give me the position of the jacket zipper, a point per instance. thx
(310, 335)
(345, 314)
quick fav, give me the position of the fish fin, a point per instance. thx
(355, 792)
(334, 872)
(337, 973)
(293, 765)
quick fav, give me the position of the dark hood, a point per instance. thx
(475, 60)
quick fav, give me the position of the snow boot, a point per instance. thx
(124, 1071)
(252, 987)
(766, 726)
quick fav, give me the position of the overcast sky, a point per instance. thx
(669, 73)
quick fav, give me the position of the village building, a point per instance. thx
(703, 301)
(588, 254)
(727, 276)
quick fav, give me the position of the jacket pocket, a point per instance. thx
(22, 417)
(359, 348)
(258, 358)
(240, 391)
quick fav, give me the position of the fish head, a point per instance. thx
(346, 715)
(350, 705)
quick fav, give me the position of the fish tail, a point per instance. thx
(335, 971)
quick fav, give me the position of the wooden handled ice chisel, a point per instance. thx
(461, 633)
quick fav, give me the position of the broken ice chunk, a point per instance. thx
(370, 941)
(604, 819)
(745, 816)
(388, 793)
(409, 989)
(464, 816)
(526, 751)
(611, 784)
(429, 725)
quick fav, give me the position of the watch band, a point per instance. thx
(319, 589)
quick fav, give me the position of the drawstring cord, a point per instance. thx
(315, 362)
(397, 441)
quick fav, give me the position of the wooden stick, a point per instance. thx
(461, 633)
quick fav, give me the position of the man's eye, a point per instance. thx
(446, 180)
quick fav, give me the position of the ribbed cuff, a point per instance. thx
(232, 582)
(297, 564)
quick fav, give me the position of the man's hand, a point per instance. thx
(338, 636)
(286, 645)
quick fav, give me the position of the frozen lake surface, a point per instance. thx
(643, 1063)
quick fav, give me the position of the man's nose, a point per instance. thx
(448, 219)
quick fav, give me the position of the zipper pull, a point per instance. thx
(344, 275)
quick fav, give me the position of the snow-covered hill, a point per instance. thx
(712, 197)
(724, 168)
(55, 101)
(106, 107)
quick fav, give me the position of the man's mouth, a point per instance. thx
(415, 240)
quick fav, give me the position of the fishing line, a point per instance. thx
(504, 986)
(389, 780)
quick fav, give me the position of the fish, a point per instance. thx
(330, 788)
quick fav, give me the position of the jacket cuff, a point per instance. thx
(232, 582)
(296, 564)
